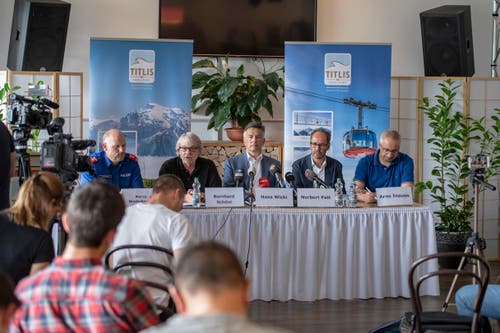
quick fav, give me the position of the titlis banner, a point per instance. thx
(344, 88)
(143, 88)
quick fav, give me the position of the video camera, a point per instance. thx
(59, 154)
(31, 113)
(478, 163)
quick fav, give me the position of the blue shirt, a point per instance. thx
(375, 175)
(125, 174)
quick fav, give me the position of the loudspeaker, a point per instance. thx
(447, 41)
(38, 35)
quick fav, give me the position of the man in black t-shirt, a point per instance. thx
(7, 165)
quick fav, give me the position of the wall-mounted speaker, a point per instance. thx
(447, 41)
(38, 35)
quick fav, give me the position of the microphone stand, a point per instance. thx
(250, 186)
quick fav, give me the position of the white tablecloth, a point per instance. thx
(310, 254)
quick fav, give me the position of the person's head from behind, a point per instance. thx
(254, 138)
(188, 148)
(114, 145)
(169, 191)
(209, 277)
(93, 214)
(39, 199)
(8, 301)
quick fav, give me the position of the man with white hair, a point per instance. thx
(113, 164)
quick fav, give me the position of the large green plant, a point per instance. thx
(453, 133)
(238, 97)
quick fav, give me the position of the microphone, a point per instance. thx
(251, 175)
(264, 182)
(311, 175)
(238, 177)
(276, 171)
(290, 178)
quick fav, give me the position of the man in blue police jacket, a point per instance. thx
(113, 164)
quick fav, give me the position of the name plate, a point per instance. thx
(131, 196)
(394, 196)
(273, 197)
(315, 197)
(224, 197)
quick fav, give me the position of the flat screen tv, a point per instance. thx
(238, 27)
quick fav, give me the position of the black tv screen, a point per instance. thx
(238, 27)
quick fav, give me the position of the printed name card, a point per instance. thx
(315, 197)
(224, 197)
(273, 197)
(131, 196)
(394, 196)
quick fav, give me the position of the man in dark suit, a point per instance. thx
(251, 159)
(328, 169)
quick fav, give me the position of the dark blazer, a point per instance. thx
(333, 170)
(240, 161)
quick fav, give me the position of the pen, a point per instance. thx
(368, 190)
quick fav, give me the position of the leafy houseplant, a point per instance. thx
(5, 90)
(237, 98)
(453, 133)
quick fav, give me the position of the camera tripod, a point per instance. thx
(21, 137)
(475, 244)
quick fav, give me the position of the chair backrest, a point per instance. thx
(480, 275)
(144, 264)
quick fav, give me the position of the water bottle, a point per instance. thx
(196, 195)
(353, 197)
(339, 193)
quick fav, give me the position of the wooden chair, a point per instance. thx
(166, 310)
(439, 321)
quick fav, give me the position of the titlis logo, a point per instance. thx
(141, 66)
(337, 69)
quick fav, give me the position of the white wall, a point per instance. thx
(387, 21)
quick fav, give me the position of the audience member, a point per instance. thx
(466, 297)
(25, 245)
(251, 159)
(156, 222)
(328, 169)
(113, 164)
(387, 167)
(210, 292)
(188, 164)
(75, 293)
(8, 301)
(8, 166)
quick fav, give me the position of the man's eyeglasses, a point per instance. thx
(386, 151)
(318, 145)
(191, 149)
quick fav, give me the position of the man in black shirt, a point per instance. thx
(188, 164)
(7, 165)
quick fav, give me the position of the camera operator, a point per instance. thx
(113, 164)
(25, 245)
(8, 166)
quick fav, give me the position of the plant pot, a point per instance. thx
(234, 133)
(451, 242)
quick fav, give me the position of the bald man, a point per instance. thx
(113, 164)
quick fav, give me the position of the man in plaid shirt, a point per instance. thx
(75, 293)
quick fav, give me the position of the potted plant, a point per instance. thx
(452, 135)
(233, 96)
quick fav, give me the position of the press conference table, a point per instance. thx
(327, 253)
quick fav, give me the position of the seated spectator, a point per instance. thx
(210, 292)
(8, 301)
(466, 296)
(25, 245)
(75, 293)
(188, 164)
(155, 222)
